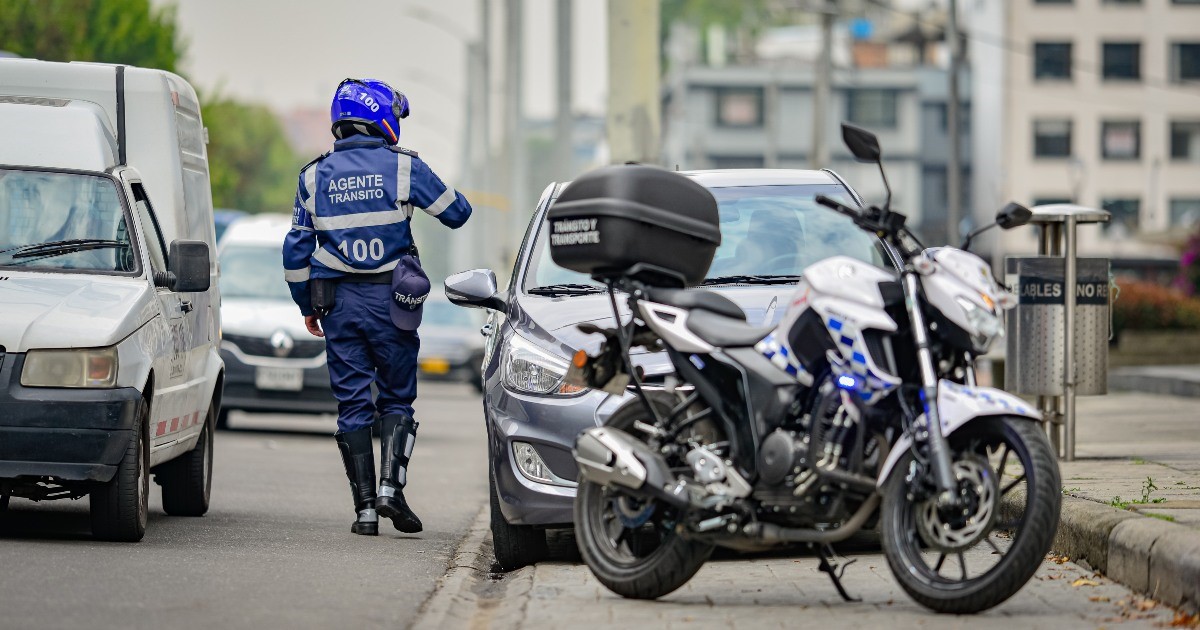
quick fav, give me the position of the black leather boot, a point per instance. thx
(398, 433)
(359, 458)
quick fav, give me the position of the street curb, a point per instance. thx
(1141, 380)
(453, 590)
(1156, 558)
(467, 597)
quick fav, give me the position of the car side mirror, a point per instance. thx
(187, 269)
(476, 288)
(862, 143)
(1013, 215)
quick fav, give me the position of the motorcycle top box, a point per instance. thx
(636, 220)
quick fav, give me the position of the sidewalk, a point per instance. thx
(1132, 505)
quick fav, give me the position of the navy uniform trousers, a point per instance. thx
(363, 346)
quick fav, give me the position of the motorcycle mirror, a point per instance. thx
(1013, 215)
(862, 143)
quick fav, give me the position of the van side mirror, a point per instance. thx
(1013, 215)
(188, 267)
(862, 143)
(476, 288)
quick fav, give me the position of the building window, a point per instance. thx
(1050, 200)
(1121, 139)
(1185, 140)
(736, 161)
(1124, 212)
(1052, 60)
(739, 107)
(873, 109)
(1185, 62)
(1122, 1)
(1122, 61)
(1185, 213)
(1185, 1)
(1052, 138)
(1052, 1)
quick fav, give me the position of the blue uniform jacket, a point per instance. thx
(352, 212)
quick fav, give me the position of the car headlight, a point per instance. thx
(529, 369)
(91, 367)
(984, 325)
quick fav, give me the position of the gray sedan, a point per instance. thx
(771, 230)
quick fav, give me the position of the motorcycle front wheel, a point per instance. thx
(631, 545)
(970, 557)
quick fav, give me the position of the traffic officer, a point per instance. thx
(355, 273)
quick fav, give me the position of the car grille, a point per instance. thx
(261, 347)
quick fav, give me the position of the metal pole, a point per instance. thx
(954, 172)
(772, 113)
(564, 148)
(488, 248)
(821, 87)
(514, 125)
(634, 99)
(1069, 288)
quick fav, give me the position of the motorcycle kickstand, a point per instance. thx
(835, 570)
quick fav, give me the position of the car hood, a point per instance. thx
(45, 310)
(254, 317)
(554, 319)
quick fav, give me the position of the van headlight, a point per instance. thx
(984, 325)
(531, 370)
(90, 367)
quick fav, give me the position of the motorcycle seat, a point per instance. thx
(697, 300)
(725, 332)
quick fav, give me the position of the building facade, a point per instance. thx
(762, 116)
(1095, 102)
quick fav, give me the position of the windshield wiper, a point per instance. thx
(567, 289)
(59, 248)
(753, 279)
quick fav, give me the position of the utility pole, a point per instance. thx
(954, 170)
(488, 250)
(822, 86)
(633, 125)
(564, 148)
(514, 145)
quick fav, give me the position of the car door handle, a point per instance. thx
(486, 331)
(185, 306)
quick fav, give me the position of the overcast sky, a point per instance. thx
(292, 53)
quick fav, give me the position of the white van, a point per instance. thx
(109, 307)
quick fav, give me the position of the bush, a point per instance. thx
(1148, 306)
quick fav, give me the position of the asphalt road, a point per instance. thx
(275, 549)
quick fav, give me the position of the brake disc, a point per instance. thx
(950, 529)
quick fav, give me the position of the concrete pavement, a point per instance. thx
(1113, 566)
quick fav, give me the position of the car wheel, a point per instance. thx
(222, 423)
(119, 506)
(516, 546)
(187, 480)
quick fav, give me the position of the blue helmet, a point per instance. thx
(369, 107)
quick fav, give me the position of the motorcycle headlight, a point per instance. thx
(531, 370)
(985, 325)
(92, 367)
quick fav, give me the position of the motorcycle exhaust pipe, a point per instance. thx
(609, 456)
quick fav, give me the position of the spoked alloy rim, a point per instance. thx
(627, 530)
(957, 550)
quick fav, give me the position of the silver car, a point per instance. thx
(272, 363)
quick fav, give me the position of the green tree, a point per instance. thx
(113, 31)
(251, 164)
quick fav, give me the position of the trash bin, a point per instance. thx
(1058, 339)
(1036, 327)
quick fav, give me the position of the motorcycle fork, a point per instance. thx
(939, 451)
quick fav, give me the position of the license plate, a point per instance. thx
(435, 366)
(286, 379)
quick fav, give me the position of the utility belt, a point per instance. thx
(324, 290)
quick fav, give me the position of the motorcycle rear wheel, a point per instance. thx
(631, 545)
(992, 457)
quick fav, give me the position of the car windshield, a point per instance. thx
(768, 234)
(63, 221)
(439, 313)
(253, 271)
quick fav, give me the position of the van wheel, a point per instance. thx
(187, 480)
(118, 507)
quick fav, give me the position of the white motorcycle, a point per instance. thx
(861, 407)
